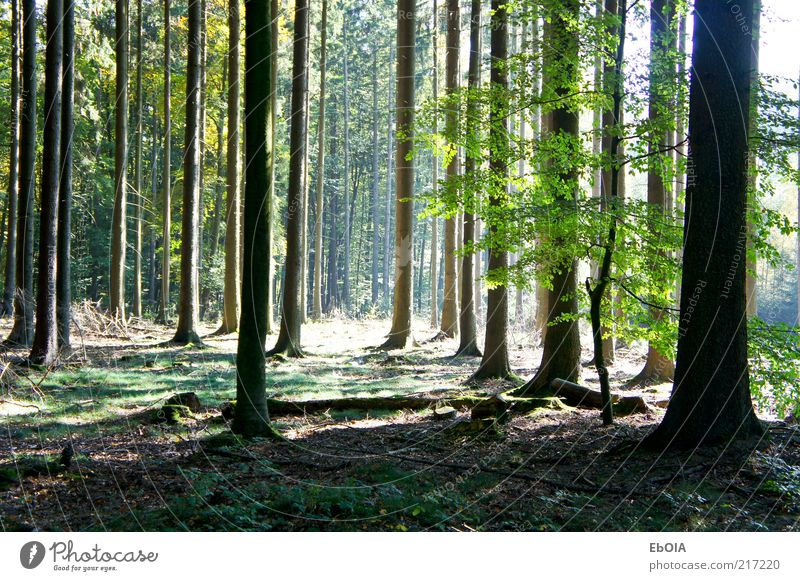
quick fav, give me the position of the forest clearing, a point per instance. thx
(554, 468)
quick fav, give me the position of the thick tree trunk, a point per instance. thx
(252, 417)
(138, 199)
(22, 331)
(119, 220)
(7, 304)
(562, 349)
(64, 251)
(495, 361)
(468, 326)
(400, 335)
(231, 295)
(45, 337)
(710, 401)
(167, 179)
(289, 336)
(316, 310)
(188, 307)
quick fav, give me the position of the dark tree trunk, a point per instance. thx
(468, 325)
(291, 321)
(22, 331)
(45, 337)
(562, 349)
(7, 305)
(138, 198)
(231, 296)
(188, 311)
(710, 401)
(119, 219)
(64, 266)
(252, 417)
(316, 308)
(400, 335)
(495, 349)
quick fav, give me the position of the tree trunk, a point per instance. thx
(400, 335)
(316, 311)
(306, 180)
(346, 188)
(7, 305)
(435, 177)
(387, 216)
(375, 176)
(710, 401)
(231, 296)
(188, 307)
(289, 336)
(467, 321)
(119, 220)
(495, 361)
(658, 367)
(252, 416)
(138, 199)
(64, 250)
(151, 233)
(270, 206)
(562, 349)
(22, 331)
(45, 337)
(167, 180)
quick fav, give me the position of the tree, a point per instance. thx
(346, 169)
(137, 172)
(6, 306)
(291, 320)
(449, 324)
(231, 296)
(64, 244)
(387, 213)
(400, 335)
(119, 219)
(188, 308)
(561, 352)
(167, 179)
(435, 180)
(251, 416)
(374, 185)
(45, 338)
(22, 331)
(495, 350)
(710, 401)
(468, 333)
(316, 309)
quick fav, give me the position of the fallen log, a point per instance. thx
(581, 396)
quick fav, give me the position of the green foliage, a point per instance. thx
(774, 351)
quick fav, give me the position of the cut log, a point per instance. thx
(188, 399)
(444, 413)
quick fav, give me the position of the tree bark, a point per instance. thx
(346, 171)
(138, 200)
(468, 325)
(435, 177)
(167, 179)
(400, 335)
(495, 361)
(375, 177)
(273, 100)
(710, 401)
(64, 243)
(289, 335)
(22, 331)
(387, 216)
(251, 416)
(119, 219)
(316, 311)
(188, 307)
(45, 337)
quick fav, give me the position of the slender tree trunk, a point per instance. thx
(188, 307)
(45, 337)
(273, 100)
(119, 219)
(387, 216)
(317, 299)
(400, 335)
(289, 336)
(22, 331)
(138, 199)
(375, 176)
(306, 183)
(64, 250)
(151, 233)
(346, 188)
(251, 416)
(495, 361)
(434, 219)
(449, 324)
(231, 296)
(710, 402)
(561, 353)
(167, 179)
(7, 305)
(467, 320)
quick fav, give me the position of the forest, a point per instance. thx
(402, 265)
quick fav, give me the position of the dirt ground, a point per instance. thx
(548, 470)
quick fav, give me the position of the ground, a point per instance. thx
(550, 469)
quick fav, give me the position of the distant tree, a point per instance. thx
(138, 198)
(710, 401)
(167, 179)
(435, 180)
(316, 308)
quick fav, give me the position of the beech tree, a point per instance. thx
(119, 219)
(7, 304)
(316, 308)
(166, 185)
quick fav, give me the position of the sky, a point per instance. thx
(780, 38)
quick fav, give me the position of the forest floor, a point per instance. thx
(547, 470)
